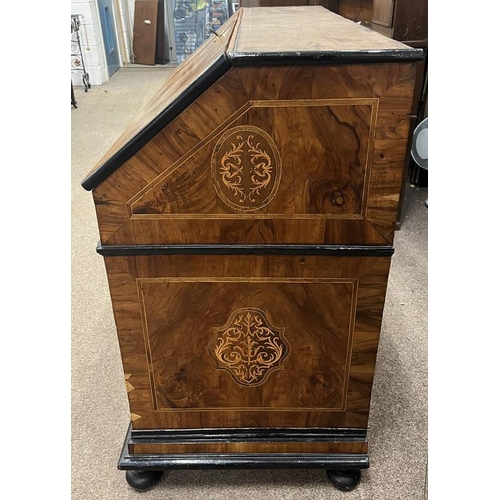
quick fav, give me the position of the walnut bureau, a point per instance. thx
(246, 220)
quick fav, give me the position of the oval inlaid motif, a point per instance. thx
(246, 168)
(249, 347)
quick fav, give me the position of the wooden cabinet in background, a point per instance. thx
(404, 20)
(246, 219)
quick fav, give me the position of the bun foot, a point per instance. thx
(142, 480)
(344, 480)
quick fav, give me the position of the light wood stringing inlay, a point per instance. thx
(244, 191)
(246, 168)
(249, 347)
(342, 388)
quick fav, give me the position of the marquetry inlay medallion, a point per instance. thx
(249, 347)
(246, 168)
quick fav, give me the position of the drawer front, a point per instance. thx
(254, 341)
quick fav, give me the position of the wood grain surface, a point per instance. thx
(356, 10)
(145, 27)
(337, 133)
(183, 322)
(272, 154)
(383, 11)
(242, 447)
(411, 22)
(340, 181)
(329, 309)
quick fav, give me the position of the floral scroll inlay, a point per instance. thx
(249, 347)
(246, 168)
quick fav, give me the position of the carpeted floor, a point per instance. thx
(398, 418)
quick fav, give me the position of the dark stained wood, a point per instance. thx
(356, 10)
(403, 20)
(411, 21)
(242, 249)
(145, 27)
(383, 11)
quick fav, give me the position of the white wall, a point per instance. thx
(91, 41)
(91, 38)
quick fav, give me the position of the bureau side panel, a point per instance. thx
(248, 341)
(281, 155)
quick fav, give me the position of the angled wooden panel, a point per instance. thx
(363, 110)
(262, 166)
(182, 135)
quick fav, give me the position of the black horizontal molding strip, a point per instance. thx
(217, 69)
(244, 249)
(247, 435)
(241, 460)
(332, 57)
(334, 461)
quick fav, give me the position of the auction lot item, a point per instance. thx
(246, 219)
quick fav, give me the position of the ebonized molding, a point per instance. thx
(333, 57)
(247, 435)
(226, 249)
(244, 461)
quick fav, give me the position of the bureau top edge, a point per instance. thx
(309, 34)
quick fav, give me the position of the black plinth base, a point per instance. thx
(144, 471)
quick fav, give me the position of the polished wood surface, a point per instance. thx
(339, 183)
(298, 184)
(278, 154)
(182, 366)
(242, 447)
(173, 311)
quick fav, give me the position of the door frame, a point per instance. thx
(119, 29)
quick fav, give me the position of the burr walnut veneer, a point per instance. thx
(246, 218)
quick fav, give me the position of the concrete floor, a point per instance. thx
(398, 418)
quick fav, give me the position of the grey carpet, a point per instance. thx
(398, 419)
